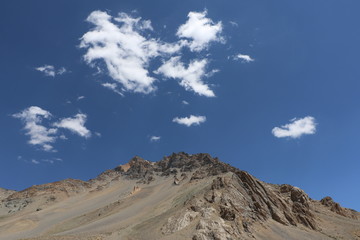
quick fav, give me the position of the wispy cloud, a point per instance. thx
(244, 58)
(155, 138)
(112, 87)
(185, 102)
(296, 128)
(191, 77)
(51, 71)
(35, 161)
(201, 30)
(190, 121)
(234, 24)
(75, 124)
(39, 134)
(80, 98)
(52, 160)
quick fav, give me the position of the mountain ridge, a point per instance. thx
(224, 203)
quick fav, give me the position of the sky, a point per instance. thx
(270, 87)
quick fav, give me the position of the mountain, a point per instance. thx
(182, 196)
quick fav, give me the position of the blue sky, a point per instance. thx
(269, 87)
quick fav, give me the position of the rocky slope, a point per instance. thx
(182, 196)
(4, 193)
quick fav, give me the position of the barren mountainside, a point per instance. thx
(182, 196)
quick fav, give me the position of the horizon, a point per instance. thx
(269, 88)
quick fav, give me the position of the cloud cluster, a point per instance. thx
(44, 136)
(121, 44)
(190, 121)
(124, 45)
(51, 71)
(296, 128)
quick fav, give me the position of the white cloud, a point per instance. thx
(112, 87)
(190, 77)
(35, 161)
(43, 136)
(189, 121)
(296, 128)
(243, 58)
(121, 44)
(211, 73)
(39, 134)
(75, 125)
(201, 30)
(50, 70)
(80, 98)
(155, 138)
(185, 102)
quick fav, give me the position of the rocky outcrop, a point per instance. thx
(336, 208)
(4, 193)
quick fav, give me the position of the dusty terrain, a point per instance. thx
(180, 197)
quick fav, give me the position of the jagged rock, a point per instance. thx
(175, 224)
(335, 207)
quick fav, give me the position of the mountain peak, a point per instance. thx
(182, 196)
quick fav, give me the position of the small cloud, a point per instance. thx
(201, 30)
(80, 98)
(191, 120)
(243, 58)
(296, 128)
(155, 138)
(75, 125)
(40, 135)
(63, 137)
(185, 102)
(112, 87)
(62, 70)
(50, 70)
(211, 73)
(35, 161)
(234, 24)
(48, 161)
(97, 134)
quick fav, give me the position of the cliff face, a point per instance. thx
(182, 196)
